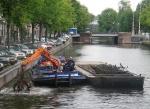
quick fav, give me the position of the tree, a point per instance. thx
(6, 8)
(108, 20)
(36, 13)
(21, 18)
(143, 9)
(145, 17)
(82, 16)
(125, 16)
(53, 15)
(63, 16)
(14, 12)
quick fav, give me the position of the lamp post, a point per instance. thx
(139, 31)
(118, 27)
(133, 31)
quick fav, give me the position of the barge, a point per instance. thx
(111, 76)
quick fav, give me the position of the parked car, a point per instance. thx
(32, 46)
(47, 46)
(66, 36)
(53, 40)
(23, 48)
(7, 58)
(50, 43)
(1, 66)
(17, 53)
(61, 39)
(59, 42)
(43, 39)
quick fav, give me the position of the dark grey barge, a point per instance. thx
(109, 76)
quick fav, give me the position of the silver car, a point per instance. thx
(18, 54)
(1, 66)
(24, 48)
(7, 58)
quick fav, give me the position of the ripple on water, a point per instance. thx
(33, 91)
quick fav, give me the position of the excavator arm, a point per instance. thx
(27, 63)
(36, 56)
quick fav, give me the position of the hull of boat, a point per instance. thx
(63, 78)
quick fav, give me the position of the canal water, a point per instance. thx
(135, 57)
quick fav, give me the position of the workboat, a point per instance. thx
(45, 73)
(48, 70)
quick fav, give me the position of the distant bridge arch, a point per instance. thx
(104, 38)
(104, 35)
(122, 37)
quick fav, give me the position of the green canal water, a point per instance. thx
(136, 57)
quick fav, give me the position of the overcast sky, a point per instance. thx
(97, 6)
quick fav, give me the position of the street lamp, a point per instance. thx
(133, 31)
(139, 32)
(118, 27)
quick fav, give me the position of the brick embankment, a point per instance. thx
(146, 43)
(59, 48)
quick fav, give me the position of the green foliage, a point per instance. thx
(125, 16)
(63, 15)
(57, 14)
(54, 15)
(108, 20)
(20, 16)
(145, 17)
(145, 14)
(82, 16)
(111, 21)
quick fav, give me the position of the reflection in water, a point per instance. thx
(129, 45)
(137, 58)
(71, 50)
(81, 97)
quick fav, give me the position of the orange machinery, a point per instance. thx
(27, 63)
(37, 54)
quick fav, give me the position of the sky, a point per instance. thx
(97, 6)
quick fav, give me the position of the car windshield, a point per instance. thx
(2, 53)
(24, 47)
(20, 46)
(31, 46)
(14, 48)
(7, 52)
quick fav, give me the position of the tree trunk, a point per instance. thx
(8, 28)
(21, 34)
(50, 35)
(59, 34)
(55, 34)
(12, 34)
(32, 33)
(46, 33)
(40, 31)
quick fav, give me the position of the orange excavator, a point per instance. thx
(29, 62)
(37, 54)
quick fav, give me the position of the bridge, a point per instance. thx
(104, 38)
(104, 35)
(122, 37)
